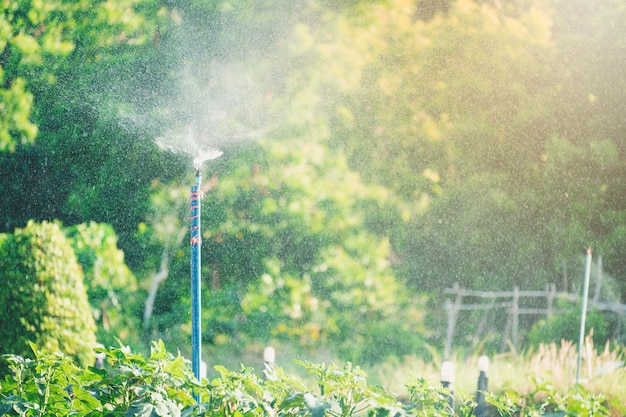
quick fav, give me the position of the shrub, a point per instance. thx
(43, 299)
(566, 326)
(111, 286)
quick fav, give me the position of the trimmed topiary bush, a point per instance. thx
(43, 299)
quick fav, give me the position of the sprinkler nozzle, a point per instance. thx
(205, 156)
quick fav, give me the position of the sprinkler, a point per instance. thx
(447, 381)
(196, 249)
(481, 405)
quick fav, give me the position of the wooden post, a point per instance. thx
(453, 311)
(515, 317)
(481, 324)
(583, 312)
(450, 330)
(506, 332)
(596, 295)
(551, 293)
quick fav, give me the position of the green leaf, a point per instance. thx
(140, 408)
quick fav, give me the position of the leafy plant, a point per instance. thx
(428, 400)
(131, 385)
(160, 384)
(48, 385)
(343, 391)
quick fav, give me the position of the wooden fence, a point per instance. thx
(512, 303)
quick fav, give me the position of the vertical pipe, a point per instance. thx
(583, 313)
(481, 405)
(196, 243)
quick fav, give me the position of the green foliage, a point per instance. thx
(476, 234)
(545, 400)
(287, 256)
(495, 129)
(429, 400)
(50, 384)
(47, 385)
(44, 300)
(458, 114)
(111, 286)
(343, 391)
(36, 39)
(566, 326)
(157, 385)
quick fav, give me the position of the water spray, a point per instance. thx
(196, 249)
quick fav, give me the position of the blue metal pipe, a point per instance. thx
(196, 309)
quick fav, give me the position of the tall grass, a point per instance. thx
(602, 372)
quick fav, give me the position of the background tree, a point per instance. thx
(35, 42)
(480, 132)
(111, 286)
(469, 101)
(92, 161)
(44, 300)
(286, 258)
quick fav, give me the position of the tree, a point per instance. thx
(286, 257)
(35, 41)
(44, 300)
(467, 105)
(96, 160)
(111, 286)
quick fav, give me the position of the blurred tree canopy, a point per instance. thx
(39, 40)
(509, 150)
(374, 151)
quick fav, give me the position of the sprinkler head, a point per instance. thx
(483, 364)
(447, 372)
(269, 355)
(205, 156)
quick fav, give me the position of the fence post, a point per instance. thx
(515, 317)
(550, 294)
(596, 295)
(453, 311)
(583, 313)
